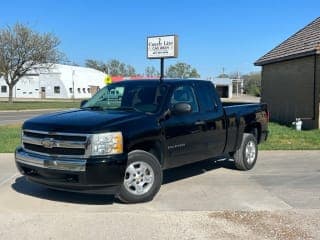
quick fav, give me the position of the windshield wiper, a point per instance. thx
(99, 108)
(126, 108)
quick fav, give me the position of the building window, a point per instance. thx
(88, 90)
(79, 90)
(56, 89)
(3, 89)
(83, 90)
(70, 90)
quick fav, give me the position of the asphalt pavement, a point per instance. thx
(278, 199)
(16, 117)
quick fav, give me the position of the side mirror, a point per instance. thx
(83, 102)
(181, 108)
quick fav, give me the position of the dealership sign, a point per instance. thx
(162, 46)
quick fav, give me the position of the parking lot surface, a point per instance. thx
(278, 199)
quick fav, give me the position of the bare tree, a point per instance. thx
(98, 65)
(22, 49)
(113, 67)
(151, 71)
(116, 67)
(130, 70)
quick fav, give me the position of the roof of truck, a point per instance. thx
(167, 80)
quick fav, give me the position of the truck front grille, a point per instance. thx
(79, 138)
(55, 144)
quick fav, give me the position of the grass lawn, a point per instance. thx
(9, 138)
(286, 138)
(280, 138)
(39, 105)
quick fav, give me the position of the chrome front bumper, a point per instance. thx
(47, 162)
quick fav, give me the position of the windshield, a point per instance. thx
(136, 96)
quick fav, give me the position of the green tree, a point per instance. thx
(22, 49)
(151, 71)
(252, 83)
(182, 70)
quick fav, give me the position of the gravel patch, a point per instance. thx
(181, 225)
(289, 225)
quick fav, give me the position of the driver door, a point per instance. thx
(183, 132)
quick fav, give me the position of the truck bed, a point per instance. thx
(239, 116)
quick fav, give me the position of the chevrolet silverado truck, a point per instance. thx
(120, 141)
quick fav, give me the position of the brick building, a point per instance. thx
(291, 78)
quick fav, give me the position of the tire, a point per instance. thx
(246, 156)
(143, 178)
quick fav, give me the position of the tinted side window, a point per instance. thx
(207, 96)
(185, 93)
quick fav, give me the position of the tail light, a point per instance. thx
(268, 115)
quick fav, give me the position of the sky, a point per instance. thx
(213, 35)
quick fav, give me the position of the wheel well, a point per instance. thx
(255, 130)
(153, 147)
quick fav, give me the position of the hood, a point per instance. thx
(82, 120)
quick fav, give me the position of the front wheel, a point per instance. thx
(246, 156)
(143, 178)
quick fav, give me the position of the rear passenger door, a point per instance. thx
(183, 133)
(211, 112)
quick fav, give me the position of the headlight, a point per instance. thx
(106, 143)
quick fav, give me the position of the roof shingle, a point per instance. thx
(303, 43)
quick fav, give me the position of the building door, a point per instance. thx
(223, 91)
(43, 92)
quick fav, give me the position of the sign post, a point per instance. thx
(161, 47)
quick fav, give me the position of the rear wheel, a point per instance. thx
(143, 178)
(246, 156)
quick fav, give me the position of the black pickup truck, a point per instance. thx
(122, 139)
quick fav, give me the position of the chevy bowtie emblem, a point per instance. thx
(48, 143)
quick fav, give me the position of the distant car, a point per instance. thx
(122, 145)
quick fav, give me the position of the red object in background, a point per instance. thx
(121, 78)
(116, 78)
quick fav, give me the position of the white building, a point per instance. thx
(60, 81)
(223, 86)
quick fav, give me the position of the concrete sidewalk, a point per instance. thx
(278, 199)
(281, 180)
